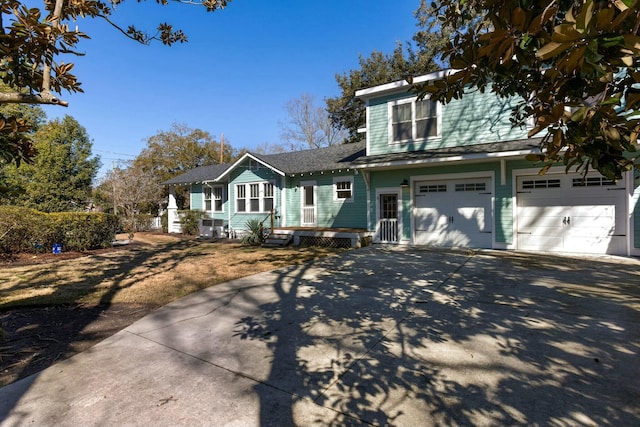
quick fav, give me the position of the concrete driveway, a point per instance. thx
(386, 336)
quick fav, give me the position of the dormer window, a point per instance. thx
(412, 120)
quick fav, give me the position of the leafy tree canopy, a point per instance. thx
(62, 173)
(173, 152)
(573, 63)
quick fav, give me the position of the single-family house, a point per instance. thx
(312, 193)
(430, 174)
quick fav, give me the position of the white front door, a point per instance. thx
(559, 212)
(454, 212)
(308, 199)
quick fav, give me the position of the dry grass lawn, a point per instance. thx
(53, 306)
(155, 269)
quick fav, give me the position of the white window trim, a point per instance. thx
(335, 189)
(412, 101)
(248, 197)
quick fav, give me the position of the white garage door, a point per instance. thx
(568, 214)
(453, 213)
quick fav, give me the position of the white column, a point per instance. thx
(172, 213)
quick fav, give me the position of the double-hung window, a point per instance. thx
(217, 198)
(241, 198)
(207, 198)
(267, 196)
(412, 120)
(255, 197)
(254, 201)
(343, 188)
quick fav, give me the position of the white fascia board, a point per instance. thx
(242, 159)
(460, 158)
(399, 85)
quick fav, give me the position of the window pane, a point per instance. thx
(308, 196)
(217, 193)
(241, 192)
(254, 205)
(207, 205)
(207, 192)
(268, 190)
(425, 109)
(254, 190)
(268, 204)
(218, 205)
(426, 128)
(401, 113)
(402, 132)
(241, 205)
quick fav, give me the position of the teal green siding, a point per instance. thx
(330, 213)
(195, 202)
(475, 119)
(244, 175)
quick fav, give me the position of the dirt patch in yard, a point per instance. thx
(54, 306)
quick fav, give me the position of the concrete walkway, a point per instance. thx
(386, 336)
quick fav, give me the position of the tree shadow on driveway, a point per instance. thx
(421, 337)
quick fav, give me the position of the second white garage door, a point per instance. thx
(453, 213)
(565, 213)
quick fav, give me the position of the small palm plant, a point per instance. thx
(256, 235)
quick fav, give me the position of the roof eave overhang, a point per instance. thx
(401, 85)
(242, 159)
(476, 157)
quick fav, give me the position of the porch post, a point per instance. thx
(173, 222)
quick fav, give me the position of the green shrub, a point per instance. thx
(80, 231)
(164, 221)
(29, 231)
(23, 230)
(144, 222)
(190, 222)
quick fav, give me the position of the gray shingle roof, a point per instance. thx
(200, 174)
(315, 160)
(531, 144)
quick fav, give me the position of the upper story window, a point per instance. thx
(343, 188)
(254, 197)
(254, 165)
(412, 120)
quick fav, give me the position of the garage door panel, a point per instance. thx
(570, 217)
(453, 213)
(431, 220)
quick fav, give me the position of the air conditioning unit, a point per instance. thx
(206, 228)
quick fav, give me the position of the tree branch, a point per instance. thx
(46, 72)
(45, 97)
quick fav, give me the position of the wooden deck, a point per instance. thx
(322, 236)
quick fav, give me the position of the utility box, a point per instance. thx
(206, 228)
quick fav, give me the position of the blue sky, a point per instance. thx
(234, 76)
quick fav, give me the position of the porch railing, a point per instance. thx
(309, 215)
(388, 230)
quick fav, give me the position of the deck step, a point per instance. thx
(278, 240)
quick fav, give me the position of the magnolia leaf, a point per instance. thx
(534, 157)
(552, 49)
(604, 18)
(518, 18)
(565, 33)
